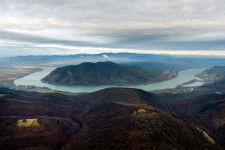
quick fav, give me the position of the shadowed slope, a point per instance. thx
(113, 118)
(207, 111)
(118, 118)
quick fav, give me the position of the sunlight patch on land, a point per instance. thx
(206, 135)
(27, 122)
(139, 111)
(1, 95)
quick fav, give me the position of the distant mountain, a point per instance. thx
(114, 118)
(105, 73)
(61, 60)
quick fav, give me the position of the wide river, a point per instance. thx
(35, 79)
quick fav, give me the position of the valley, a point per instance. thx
(35, 79)
(112, 75)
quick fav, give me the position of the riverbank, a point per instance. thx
(8, 75)
(34, 79)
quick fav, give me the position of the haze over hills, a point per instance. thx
(106, 73)
(62, 60)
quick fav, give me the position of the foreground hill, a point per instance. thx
(113, 118)
(207, 111)
(105, 73)
(122, 95)
(36, 120)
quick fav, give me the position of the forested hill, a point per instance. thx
(105, 73)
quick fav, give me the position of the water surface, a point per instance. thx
(35, 79)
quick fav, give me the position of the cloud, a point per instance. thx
(105, 56)
(132, 25)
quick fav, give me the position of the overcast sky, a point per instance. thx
(41, 27)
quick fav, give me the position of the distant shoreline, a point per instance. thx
(13, 75)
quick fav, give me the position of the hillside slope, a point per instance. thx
(213, 74)
(113, 118)
(206, 111)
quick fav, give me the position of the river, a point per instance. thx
(35, 79)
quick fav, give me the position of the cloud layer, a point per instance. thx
(70, 26)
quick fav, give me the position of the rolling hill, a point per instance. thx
(105, 73)
(113, 118)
